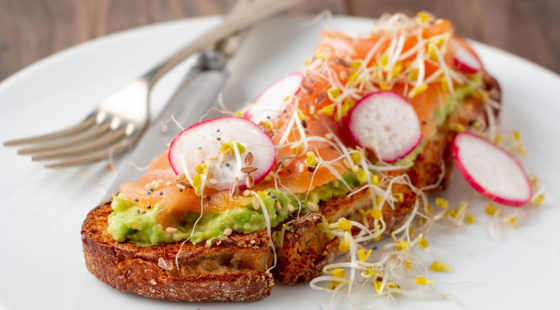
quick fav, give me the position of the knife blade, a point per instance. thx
(196, 93)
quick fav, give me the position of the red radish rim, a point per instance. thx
(390, 160)
(466, 175)
(247, 113)
(242, 186)
(461, 65)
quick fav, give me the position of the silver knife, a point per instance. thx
(196, 93)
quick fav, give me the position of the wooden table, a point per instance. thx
(33, 29)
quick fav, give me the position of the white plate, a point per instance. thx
(41, 260)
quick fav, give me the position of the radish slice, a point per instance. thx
(464, 60)
(201, 143)
(490, 170)
(270, 104)
(385, 122)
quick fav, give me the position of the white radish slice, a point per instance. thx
(385, 122)
(270, 104)
(490, 170)
(201, 143)
(464, 60)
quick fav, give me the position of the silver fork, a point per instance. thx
(121, 118)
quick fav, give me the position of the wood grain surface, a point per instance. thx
(33, 29)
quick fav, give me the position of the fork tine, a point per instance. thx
(78, 138)
(96, 144)
(55, 135)
(114, 149)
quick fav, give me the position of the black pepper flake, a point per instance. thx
(268, 193)
(284, 111)
(277, 213)
(303, 123)
(218, 138)
(311, 168)
(268, 117)
(436, 100)
(303, 209)
(273, 196)
(135, 199)
(147, 193)
(144, 212)
(180, 190)
(217, 130)
(332, 146)
(161, 192)
(148, 207)
(307, 131)
(374, 248)
(208, 198)
(227, 164)
(424, 122)
(418, 104)
(151, 189)
(137, 211)
(306, 105)
(289, 171)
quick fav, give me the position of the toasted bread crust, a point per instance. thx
(233, 269)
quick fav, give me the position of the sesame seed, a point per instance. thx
(148, 186)
(168, 183)
(256, 204)
(181, 176)
(286, 162)
(311, 206)
(171, 230)
(278, 205)
(291, 208)
(212, 157)
(249, 169)
(213, 181)
(301, 167)
(228, 231)
(246, 193)
(320, 98)
(135, 199)
(312, 109)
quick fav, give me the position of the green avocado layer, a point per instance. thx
(125, 222)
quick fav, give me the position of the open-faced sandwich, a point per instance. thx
(318, 165)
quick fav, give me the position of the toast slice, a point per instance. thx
(233, 269)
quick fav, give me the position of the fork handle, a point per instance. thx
(233, 22)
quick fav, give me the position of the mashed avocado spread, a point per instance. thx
(143, 229)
